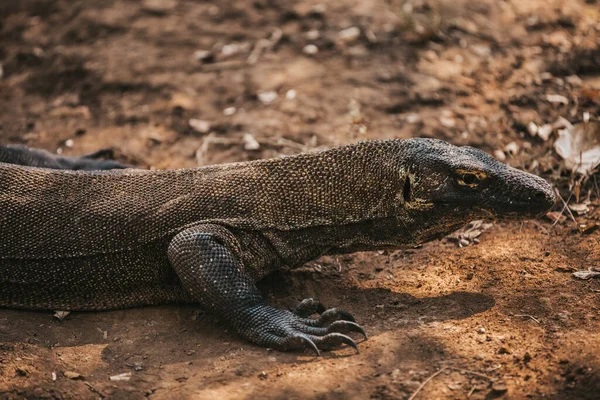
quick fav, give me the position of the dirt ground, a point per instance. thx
(180, 83)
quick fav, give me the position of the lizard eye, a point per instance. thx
(468, 179)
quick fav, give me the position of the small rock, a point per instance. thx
(504, 350)
(557, 98)
(229, 111)
(511, 148)
(69, 143)
(202, 55)
(53, 376)
(349, 35)
(231, 49)
(159, 6)
(267, 97)
(181, 100)
(481, 331)
(430, 55)
(499, 387)
(72, 375)
(138, 366)
(532, 128)
(290, 94)
(574, 80)
(250, 143)
(310, 49)
(499, 154)
(263, 375)
(121, 377)
(544, 132)
(199, 125)
(448, 122)
(312, 34)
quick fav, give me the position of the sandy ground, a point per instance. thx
(178, 83)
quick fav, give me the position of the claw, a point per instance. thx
(335, 339)
(311, 345)
(346, 327)
(308, 307)
(334, 314)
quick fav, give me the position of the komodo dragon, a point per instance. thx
(98, 240)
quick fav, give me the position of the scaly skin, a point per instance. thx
(94, 240)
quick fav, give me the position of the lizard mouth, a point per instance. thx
(501, 210)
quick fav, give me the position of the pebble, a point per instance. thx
(532, 128)
(499, 154)
(481, 331)
(511, 148)
(499, 387)
(313, 34)
(199, 125)
(545, 131)
(267, 97)
(250, 143)
(349, 34)
(229, 111)
(290, 94)
(310, 49)
(201, 55)
(72, 375)
(557, 98)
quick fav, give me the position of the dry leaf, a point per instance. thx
(579, 147)
(60, 315)
(586, 274)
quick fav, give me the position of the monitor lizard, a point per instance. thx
(84, 234)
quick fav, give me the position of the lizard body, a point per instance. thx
(94, 240)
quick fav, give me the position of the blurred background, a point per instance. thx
(181, 83)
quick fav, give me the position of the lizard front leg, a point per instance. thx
(21, 155)
(206, 259)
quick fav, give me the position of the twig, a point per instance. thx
(222, 66)
(539, 226)
(466, 371)
(566, 206)
(528, 316)
(425, 383)
(93, 389)
(471, 391)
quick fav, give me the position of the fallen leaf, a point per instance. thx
(579, 147)
(586, 274)
(469, 233)
(60, 315)
(580, 208)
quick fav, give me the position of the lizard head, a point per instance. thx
(468, 181)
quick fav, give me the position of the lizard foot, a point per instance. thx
(284, 330)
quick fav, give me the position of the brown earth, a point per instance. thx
(502, 318)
